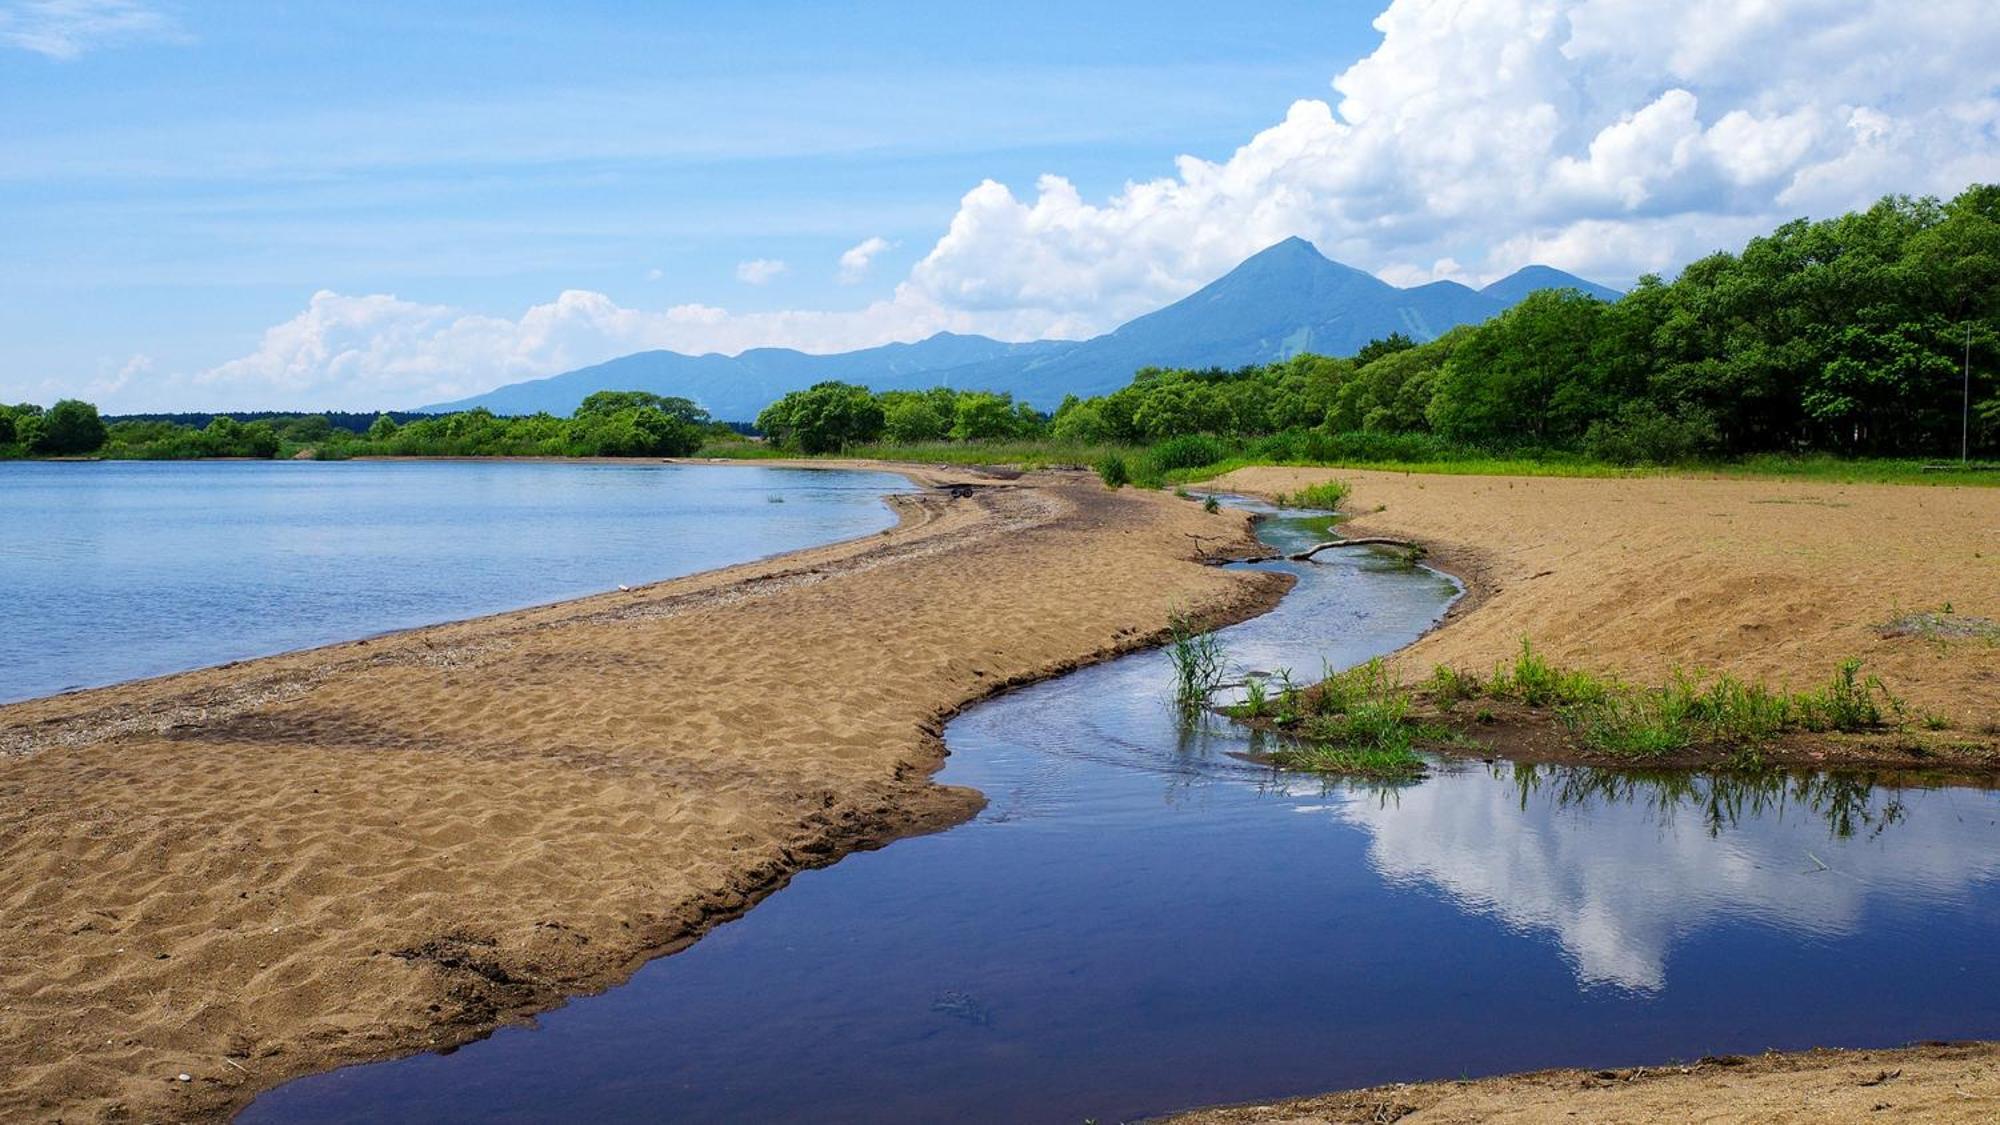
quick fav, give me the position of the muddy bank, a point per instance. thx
(248, 873)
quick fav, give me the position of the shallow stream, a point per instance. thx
(1142, 920)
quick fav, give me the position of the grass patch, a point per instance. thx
(1357, 723)
(1610, 717)
(1327, 495)
(1535, 682)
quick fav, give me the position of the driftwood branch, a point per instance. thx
(1365, 541)
(1307, 554)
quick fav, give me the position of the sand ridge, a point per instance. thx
(250, 872)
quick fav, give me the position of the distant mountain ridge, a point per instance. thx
(1281, 301)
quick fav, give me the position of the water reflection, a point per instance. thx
(1847, 802)
(1618, 867)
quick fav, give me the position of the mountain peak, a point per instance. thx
(1290, 249)
(1527, 279)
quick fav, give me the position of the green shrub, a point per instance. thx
(1189, 451)
(1643, 434)
(1112, 470)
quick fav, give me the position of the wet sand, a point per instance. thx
(251, 872)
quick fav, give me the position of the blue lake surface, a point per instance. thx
(1143, 920)
(116, 570)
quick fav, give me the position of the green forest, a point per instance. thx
(1871, 335)
(606, 424)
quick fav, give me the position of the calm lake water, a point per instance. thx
(1141, 920)
(117, 570)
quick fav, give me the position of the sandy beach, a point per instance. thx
(252, 872)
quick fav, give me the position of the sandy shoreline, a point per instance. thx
(252, 872)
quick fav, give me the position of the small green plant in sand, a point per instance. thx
(1198, 664)
(1289, 698)
(1449, 686)
(1532, 680)
(1848, 702)
(1327, 495)
(1256, 697)
(1211, 505)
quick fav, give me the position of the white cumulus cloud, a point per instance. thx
(1607, 137)
(854, 261)
(364, 352)
(66, 29)
(1610, 137)
(757, 271)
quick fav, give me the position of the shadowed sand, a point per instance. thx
(251, 872)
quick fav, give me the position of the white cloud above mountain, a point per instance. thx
(856, 259)
(1606, 137)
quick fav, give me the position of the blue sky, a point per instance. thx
(315, 205)
(174, 195)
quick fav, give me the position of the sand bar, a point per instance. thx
(1776, 580)
(252, 872)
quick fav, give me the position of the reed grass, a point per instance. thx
(1199, 662)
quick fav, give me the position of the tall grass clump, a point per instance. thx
(1848, 702)
(1188, 451)
(1198, 664)
(1327, 495)
(1111, 468)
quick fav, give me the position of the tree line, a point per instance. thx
(606, 424)
(1850, 336)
